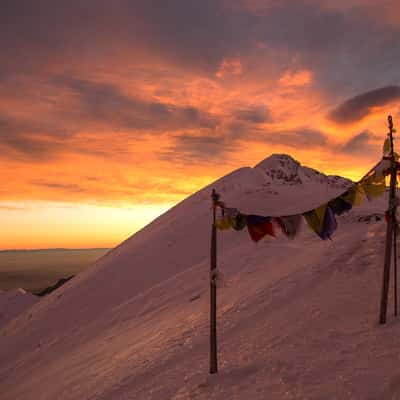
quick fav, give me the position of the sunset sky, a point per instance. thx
(113, 111)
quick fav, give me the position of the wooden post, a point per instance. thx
(389, 228)
(213, 291)
(395, 249)
(395, 265)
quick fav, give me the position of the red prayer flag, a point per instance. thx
(259, 227)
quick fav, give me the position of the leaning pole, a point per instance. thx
(391, 225)
(213, 290)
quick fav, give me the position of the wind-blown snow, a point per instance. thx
(297, 319)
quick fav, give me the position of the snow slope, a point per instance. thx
(297, 319)
(13, 302)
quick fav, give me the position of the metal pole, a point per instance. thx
(213, 291)
(389, 229)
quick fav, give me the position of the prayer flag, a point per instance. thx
(322, 221)
(224, 223)
(239, 222)
(329, 225)
(386, 147)
(259, 226)
(382, 169)
(354, 195)
(289, 225)
(339, 206)
(374, 188)
(315, 218)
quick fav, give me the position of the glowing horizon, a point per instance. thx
(91, 220)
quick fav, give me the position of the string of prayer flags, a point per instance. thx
(290, 225)
(259, 227)
(322, 220)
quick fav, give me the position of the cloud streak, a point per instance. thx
(360, 106)
(102, 103)
(301, 137)
(360, 143)
(255, 114)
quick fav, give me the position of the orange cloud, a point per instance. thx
(229, 67)
(296, 78)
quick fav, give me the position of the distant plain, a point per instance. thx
(34, 270)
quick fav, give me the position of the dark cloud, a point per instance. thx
(25, 139)
(187, 32)
(293, 25)
(91, 106)
(302, 137)
(362, 142)
(196, 33)
(346, 49)
(197, 149)
(255, 114)
(190, 33)
(359, 106)
(36, 33)
(66, 187)
(103, 103)
(203, 148)
(30, 146)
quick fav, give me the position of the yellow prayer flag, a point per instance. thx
(360, 195)
(386, 147)
(374, 186)
(354, 195)
(375, 190)
(315, 218)
(223, 223)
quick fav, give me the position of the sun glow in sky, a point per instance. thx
(112, 113)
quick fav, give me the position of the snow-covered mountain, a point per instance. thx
(297, 319)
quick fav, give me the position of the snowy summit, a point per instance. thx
(285, 170)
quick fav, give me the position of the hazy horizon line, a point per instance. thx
(56, 249)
